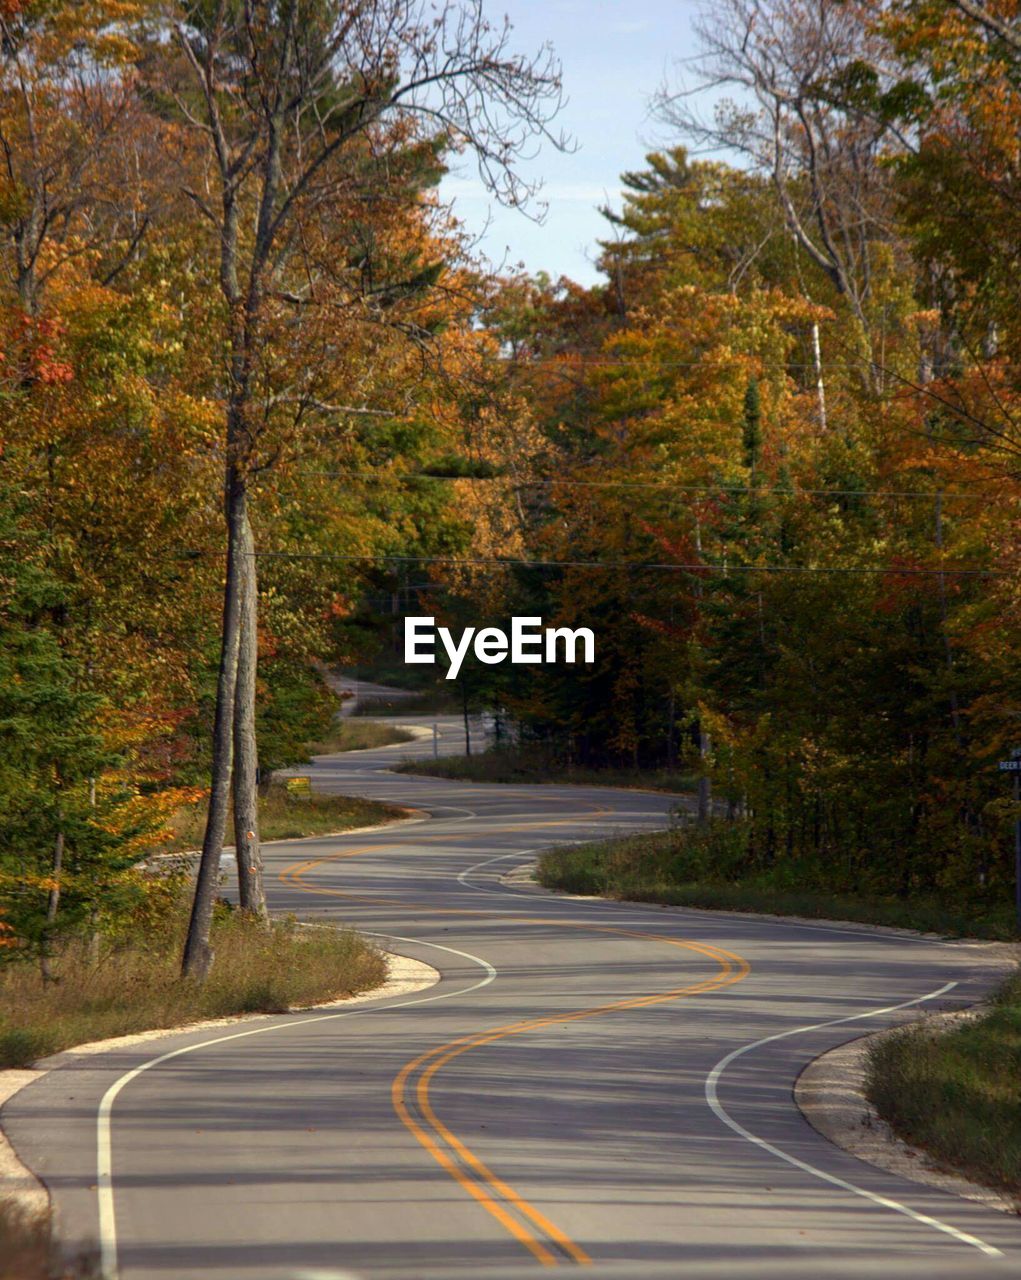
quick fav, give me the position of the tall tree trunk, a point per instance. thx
(197, 953)
(671, 722)
(820, 385)
(52, 903)
(246, 755)
(705, 782)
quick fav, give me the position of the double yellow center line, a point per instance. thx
(410, 1090)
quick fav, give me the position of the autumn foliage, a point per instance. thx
(118, 371)
(770, 459)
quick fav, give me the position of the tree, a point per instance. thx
(958, 187)
(823, 153)
(50, 746)
(686, 221)
(752, 438)
(308, 110)
(66, 108)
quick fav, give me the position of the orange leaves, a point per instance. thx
(150, 816)
(680, 547)
(340, 606)
(55, 30)
(28, 881)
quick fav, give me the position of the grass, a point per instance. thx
(359, 735)
(957, 1092)
(28, 1252)
(683, 867)
(286, 817)
(134, 984)
(506, 765)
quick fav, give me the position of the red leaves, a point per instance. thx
(34, 347)
(48, 368)
(679, 547)
(907, 578)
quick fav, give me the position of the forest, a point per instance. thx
(260, 398)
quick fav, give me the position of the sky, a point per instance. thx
(615, 54)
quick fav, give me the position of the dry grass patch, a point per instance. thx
(135, 984)
(27, 1251)
(359, 735)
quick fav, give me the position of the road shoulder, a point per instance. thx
(830, 1093)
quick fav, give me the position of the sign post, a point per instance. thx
(1013, 765)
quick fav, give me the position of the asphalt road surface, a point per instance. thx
(590, 1085)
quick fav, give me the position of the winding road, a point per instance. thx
(592, 1086)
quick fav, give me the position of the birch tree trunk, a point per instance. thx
(820, 385)
(198, 955)
(246, 754)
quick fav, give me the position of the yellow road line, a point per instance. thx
(515, 1228)
(730, 973)
(733, 968)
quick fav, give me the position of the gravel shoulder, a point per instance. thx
(830, 1093)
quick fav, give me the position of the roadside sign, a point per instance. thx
(1015, 753)
(301, 788)
(1010, 766)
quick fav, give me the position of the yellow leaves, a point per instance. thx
(29, 881)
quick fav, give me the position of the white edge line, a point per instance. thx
(462, 879)
(104, 1142)
(712, 1097)
(713, 1078)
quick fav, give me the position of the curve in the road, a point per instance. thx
(732, 968)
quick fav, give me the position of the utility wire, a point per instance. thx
(631, 565)
(542, 363)
(190, 555)
(931, 495)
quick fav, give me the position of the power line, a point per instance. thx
(632, 565)
(931, 495)
(190, 555)
(542, 363)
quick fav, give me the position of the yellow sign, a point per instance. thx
(300, 787)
